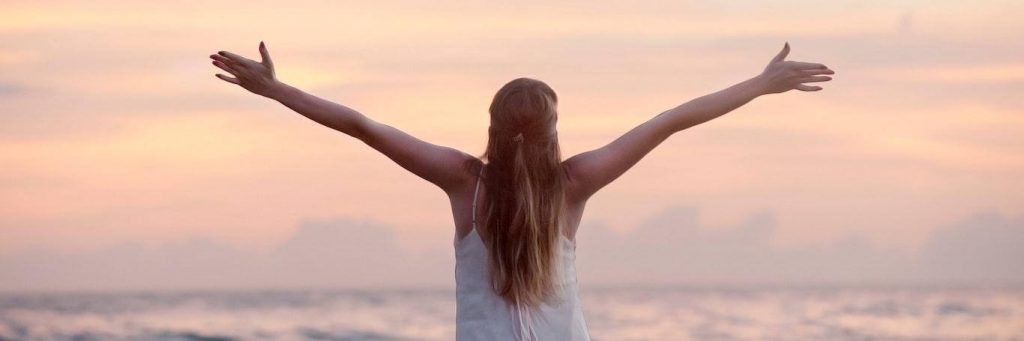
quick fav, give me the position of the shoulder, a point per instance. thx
(465, 175)
(573, 187)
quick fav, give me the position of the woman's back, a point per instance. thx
(483, 315)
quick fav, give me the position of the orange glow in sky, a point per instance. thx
(113, 128)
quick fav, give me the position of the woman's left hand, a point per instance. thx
(257, 77)
(782, 75)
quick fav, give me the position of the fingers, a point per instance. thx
(806, 66)
(782, 54)
(227, 79)
(802, 87)
(223, 59)
(234, 57)
(265, 55)
(814, 79)
(813, 72)
(225, 67)
(232, 66)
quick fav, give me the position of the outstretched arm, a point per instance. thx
(437, 164)
(592, 170)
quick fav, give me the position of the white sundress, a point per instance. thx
(482, 315)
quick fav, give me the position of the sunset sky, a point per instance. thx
(114, 130)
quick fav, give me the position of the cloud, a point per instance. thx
(670, 247)
(339, 253)
(986, 246)
(12, 89)
(673, 247)
(346, 253)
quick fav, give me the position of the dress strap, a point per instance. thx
(477, 190)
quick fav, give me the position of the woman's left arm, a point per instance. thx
(440, 165)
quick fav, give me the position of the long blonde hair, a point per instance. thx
(525, 196)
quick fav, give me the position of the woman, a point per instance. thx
(515, 235)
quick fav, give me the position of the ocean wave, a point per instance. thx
(628, 313)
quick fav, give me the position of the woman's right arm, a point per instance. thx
(592, 170)
(440, 165)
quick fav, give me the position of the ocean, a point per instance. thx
(648, 313)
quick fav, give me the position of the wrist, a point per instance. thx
(759, 84)
(276, 90)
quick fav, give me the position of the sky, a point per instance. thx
(126, 162)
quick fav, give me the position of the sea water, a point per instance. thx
(649, 313)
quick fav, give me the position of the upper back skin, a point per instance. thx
(461, 199)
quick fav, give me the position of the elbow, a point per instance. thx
(356, 128)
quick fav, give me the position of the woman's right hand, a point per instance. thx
(257, 77)
(783, 75)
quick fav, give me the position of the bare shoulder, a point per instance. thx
(464, 179)
(575, 190)
(575, 201)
